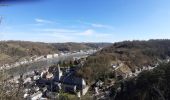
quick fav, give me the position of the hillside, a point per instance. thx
(133, 54)
(71, 46)
(11, 51)
(149, 85)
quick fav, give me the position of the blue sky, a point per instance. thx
(86, 20)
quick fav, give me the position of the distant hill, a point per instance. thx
(133, 54)
(71, 46)
(11, 51)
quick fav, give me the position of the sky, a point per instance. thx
(85, 20)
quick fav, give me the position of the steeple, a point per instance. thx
(58, 68)
(59, 72)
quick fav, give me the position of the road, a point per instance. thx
(38, 65)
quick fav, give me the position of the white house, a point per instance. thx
(114, 66)
(55, 55)
(49, 56)
(36, 96)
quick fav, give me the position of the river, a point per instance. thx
(38, 65)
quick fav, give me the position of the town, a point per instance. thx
(84, 50)
(36, 58)
(51, 81)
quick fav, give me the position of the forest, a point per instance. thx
(133, 54)
(148, 85)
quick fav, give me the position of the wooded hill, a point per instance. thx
(148, 85)
(133, 54)
(11, 51)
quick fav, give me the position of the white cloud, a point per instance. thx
(57, 35)
(101, 26)
(87, 32)
(38, 20)
(96, 25)
(56, 30)
(71, 32)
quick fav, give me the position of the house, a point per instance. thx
(114, 66)
(96, 90)
(48, 56)
(99, 83)
(27, 80)
(34, 57)
(55, 55)
(51, 95)
(36, 96)
(130, 74)
(7, 65)
(26, 95)
(39, 58)
(43, 74)
(61, 54)
(73, 83)
(120, 75)
(54, 87)
(150, 67)
(137, 70)
(69, 88)
(16, 64)
(49, 76)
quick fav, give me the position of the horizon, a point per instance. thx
(79, 42)
(61, 21)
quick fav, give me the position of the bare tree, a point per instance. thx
(9, 89)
